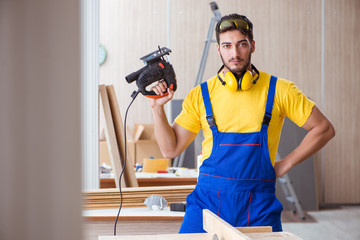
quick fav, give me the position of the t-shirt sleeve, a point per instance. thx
(189, 117)
(296, 106)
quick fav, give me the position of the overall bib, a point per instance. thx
(237, 181)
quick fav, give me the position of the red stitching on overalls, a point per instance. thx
(219, 203)
(268, 180)
(240, 145)
(249, 210)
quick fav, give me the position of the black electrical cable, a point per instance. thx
(133, 95)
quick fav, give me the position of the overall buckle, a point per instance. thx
(211, 121)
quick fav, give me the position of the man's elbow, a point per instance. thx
(330, 131)
(169, 154)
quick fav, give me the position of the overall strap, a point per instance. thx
(209, 113)
(269, 102)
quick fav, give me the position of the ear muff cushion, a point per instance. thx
(231, 82)
(246, 81)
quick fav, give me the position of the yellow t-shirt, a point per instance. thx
(243, 111)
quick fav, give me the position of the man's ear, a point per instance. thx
(253, 46)
(218, 49)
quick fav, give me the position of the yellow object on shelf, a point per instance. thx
(155, 165)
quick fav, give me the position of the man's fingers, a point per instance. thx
(171, 93)
(162, 84)
(160, 87)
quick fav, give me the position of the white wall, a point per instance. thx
(40, 121)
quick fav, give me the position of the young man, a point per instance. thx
(241, 111)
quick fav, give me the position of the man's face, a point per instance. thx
(235, 51)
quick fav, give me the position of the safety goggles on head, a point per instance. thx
(238, 23)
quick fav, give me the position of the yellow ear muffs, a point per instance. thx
(231, 81)
(246, 81)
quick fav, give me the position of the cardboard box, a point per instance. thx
(155, 165)
(144, 144)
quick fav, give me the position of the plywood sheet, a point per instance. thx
(215, 225)
(105, 113)
(129, 173)
(342, 87)
(133, 197)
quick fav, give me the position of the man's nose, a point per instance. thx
(235, 52)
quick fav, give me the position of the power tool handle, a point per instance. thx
(170, 79)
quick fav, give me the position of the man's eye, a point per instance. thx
(227, 46)
(243, 44)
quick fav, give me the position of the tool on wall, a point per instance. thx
(157, 68)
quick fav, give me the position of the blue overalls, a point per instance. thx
(237, 181)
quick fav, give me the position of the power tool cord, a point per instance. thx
(133, 95)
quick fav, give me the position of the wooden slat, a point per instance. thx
(133, 197)
(194, 236)
(110, 135)
(129, 173)
(215, 225)
(254, 229)
(272, 236)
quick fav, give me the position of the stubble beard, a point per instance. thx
(237, 71)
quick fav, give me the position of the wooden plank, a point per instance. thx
(140, 189)
(138, 131)
(193, 236)
(110, 135)
(272, 236)
(133, 197)
(129, 173)
(260, 229)
(204, 236)
(215, 225)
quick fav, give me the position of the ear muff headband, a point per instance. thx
(245, 81)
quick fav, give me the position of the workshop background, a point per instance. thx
(314, 45)
(312, 42)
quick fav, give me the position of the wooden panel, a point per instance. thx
(217, 226)
(151, 182)
(342, 87)
(133, 197)
(93, 228)
(105, 114)
(129, 173)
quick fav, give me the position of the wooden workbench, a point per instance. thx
(216, 229)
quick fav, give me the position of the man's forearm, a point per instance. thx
(312, 143)
(320, 132)
(164, 133)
